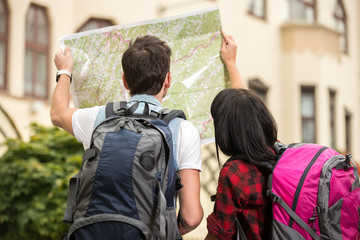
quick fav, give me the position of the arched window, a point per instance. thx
(301, 10)
(3, 42)
(37, 52)
(340, 22)
(94, 23)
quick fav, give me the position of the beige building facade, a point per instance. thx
(301, 56)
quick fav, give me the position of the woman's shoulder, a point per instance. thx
(237, 163)
(240, 167)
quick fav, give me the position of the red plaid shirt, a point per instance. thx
(241, 193)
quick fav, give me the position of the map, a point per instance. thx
(198, 73)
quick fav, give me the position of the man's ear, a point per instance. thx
(125, 83)
(168, 80)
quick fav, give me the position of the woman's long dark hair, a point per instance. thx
(244, 127)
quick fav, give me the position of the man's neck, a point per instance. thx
(147, 98)
(160, 95)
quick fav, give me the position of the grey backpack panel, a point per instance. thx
(283, 231)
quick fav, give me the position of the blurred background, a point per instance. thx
(301, 56)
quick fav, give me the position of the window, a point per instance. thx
(259, 88)
(257, 8)
(332, 109)
(3, 42)
(95, 23)
(308, 114)
(301, 10)
(37, 52)
(340, 22)
(348, 131)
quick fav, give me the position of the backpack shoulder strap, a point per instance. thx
(109, 111)
(120, 108)
(115, 108)
(167, 115)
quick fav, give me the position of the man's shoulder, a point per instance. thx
(90, 109)
(186, 124)
(88, 114)
(188, 132)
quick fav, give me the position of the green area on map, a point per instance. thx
(198, 73)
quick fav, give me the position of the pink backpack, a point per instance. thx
(315, 193)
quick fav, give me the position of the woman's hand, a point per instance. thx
(228, 55)
(228, 49)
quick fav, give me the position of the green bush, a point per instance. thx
(34, 183)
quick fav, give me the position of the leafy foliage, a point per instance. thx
(34, 183)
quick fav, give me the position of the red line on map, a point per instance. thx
(113, 36)
(196, 48)
(204, 127)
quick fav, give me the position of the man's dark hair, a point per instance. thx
(145, 64)
(244, 127)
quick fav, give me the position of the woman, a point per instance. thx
(246, 131)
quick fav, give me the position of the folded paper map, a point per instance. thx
(198, 73)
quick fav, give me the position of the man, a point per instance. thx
(146, 67)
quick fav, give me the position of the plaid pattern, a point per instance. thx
(241, 193)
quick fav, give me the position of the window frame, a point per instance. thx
(332, 117)
(308, 89)
(38, 48)
(5, 39)
(342, 19)
(348, 128)
(102, 23)
(308, 5)
(251, 11)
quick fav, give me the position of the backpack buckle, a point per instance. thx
(154, 114)
(121, 112)
(278, 147)
(272, 196)
(347, 161)
(269, 193)
(315, 215)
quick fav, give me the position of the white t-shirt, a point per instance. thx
(188, 142)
